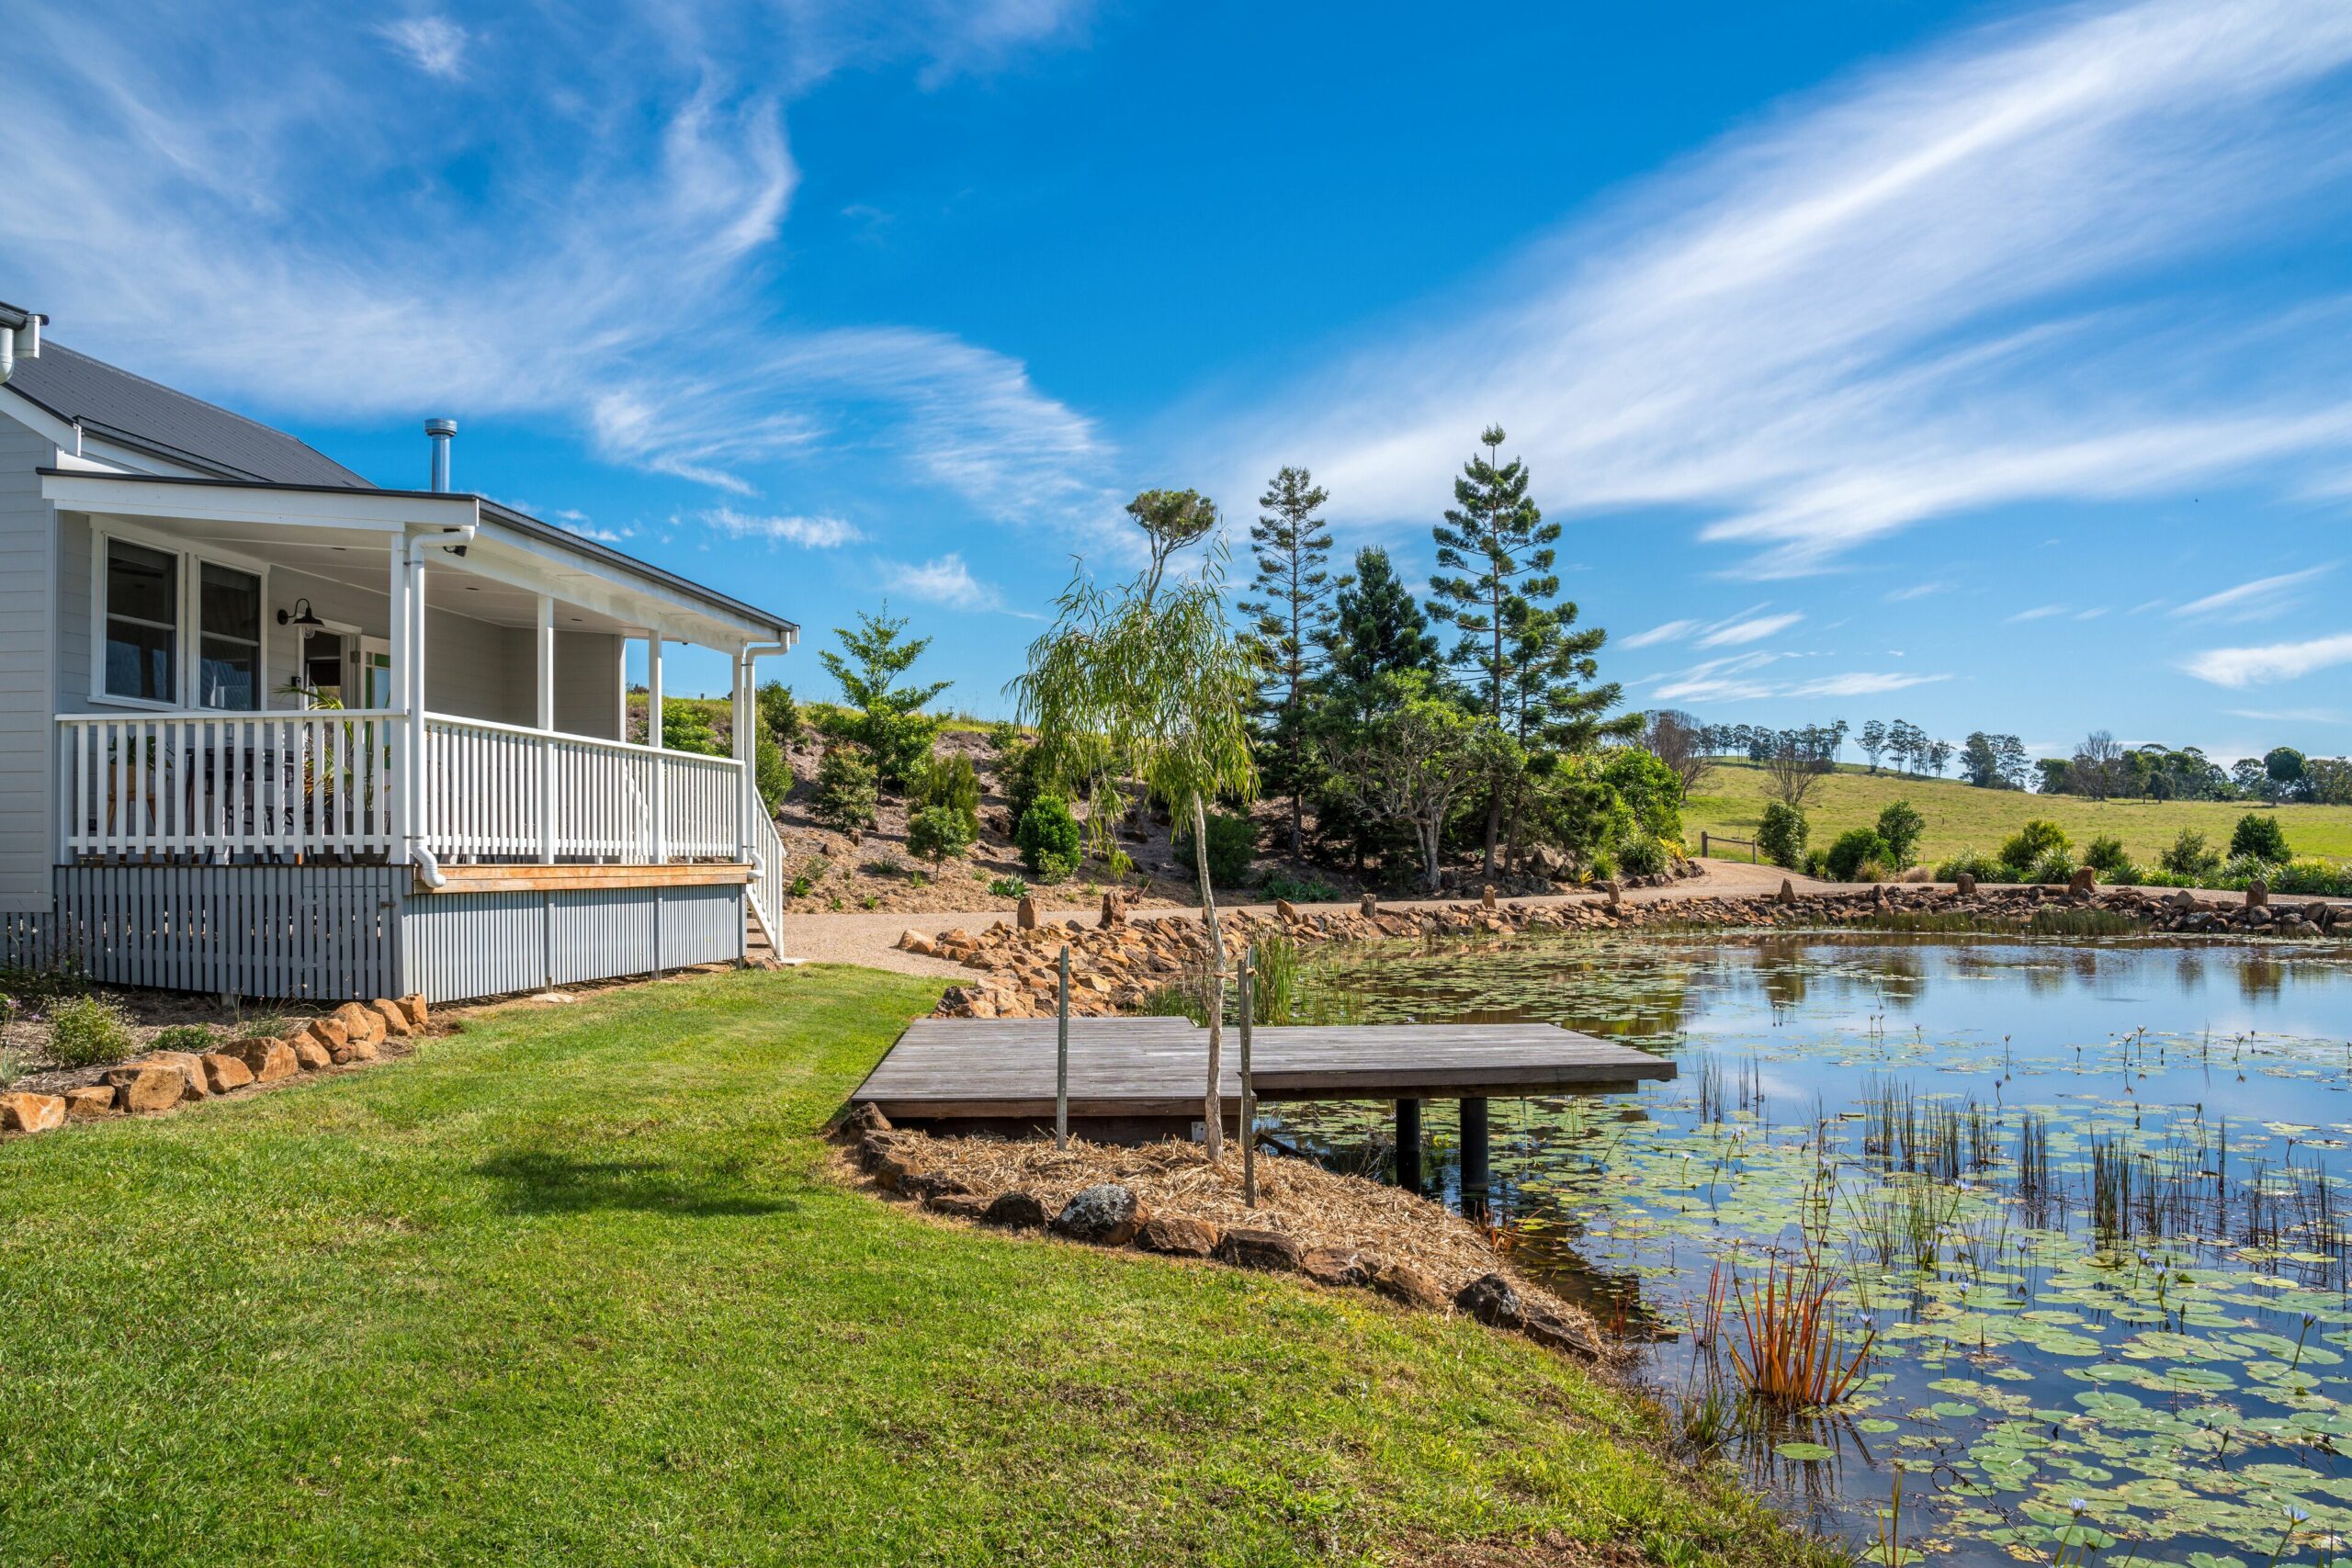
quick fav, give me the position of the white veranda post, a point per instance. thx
(403, 742)
(745, 791)
(544, 720)
(653, 739)
(408, 676)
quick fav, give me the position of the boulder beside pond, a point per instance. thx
(1259, 1249)
(1492, 1301)
(1176, 1236)
(1106, 1215)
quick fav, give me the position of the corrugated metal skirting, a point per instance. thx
(481, 944)
(321, 933)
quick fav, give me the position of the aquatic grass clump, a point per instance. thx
(1795, 1354)
(2082, 922)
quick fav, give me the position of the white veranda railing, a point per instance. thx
(499, 791)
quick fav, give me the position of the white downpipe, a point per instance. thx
(428, 870)
(9, 347)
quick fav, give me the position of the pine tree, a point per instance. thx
(1376, 628)
(887, 722)
(1289, 625)
(1499, 549)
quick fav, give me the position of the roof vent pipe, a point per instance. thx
(25, 335)
(443, 431)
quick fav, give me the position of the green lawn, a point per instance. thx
(576, 1286)
(1731, 799)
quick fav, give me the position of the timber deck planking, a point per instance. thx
(977, 1069)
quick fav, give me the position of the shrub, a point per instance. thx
(2259, 836)
(1650, 789)
(949, 781)
(1815, 864)
(1299, 889)
(2106, 856)
(938, 831)
(846, 796)
(1899, 827)
(2311, 878)
(771, 773)
(686, 728)
(2190, 857)
(90, 1031)
(2030, 844)
(779, 714)
(1782, 835)
(190, 1037)
(1983, 867)
(1645, 855)
(1233, 844)
(1022, 776)
(1008, 887)
(1047, 836)
(1856, 848)
(2055, 865)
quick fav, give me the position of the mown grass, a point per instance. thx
(1731, 800)
(578, 1285)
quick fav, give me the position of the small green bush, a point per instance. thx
(2031, 845)
(686, 728)
(2311, 878)
(1900, 826)
(2105, 855)
(847, 797)
(1643, 854)
(1983, 867)
(1855, 849)
(771, 773)
(1008, 887)
(1297, 889)
(190, 1037)
(2190, 857)
(779, 714)
(90, 1031)
(2055, 865)
(1047, 838)
(1233, 844)
(937, 832)
(950, 781)
(2259, 836)
(1815, 864)
(1781, 834)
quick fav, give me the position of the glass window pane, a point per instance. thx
(230, 604)
(228, 674)
(322, 662)
(140, 662)
(142, 583)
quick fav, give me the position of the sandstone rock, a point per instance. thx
(1259, 1249)
(1114, 911)
(24, 1112)
(1964, 885)
(874, 1148)
(1788, 894)
(1177, 1236)
(223, 1072)
(1490, 1299)
(1025, 914)
(329, 1033)
(890, 1173)
(267, 1060)
(150, 1086)
(1487, 898)
(309, 1053)
(90, 1102)
(1018, 1210)
(1368, 906)
(190, 1066)
(1403, 1282)
(1337, 1267)
(1615, 890)
(360, 1021)
(1285, 909)
(1554, 1332)
(2086, 880)
(912, 940)
(353, 1049)
(418, 1013)
(2258, 893)
(396, 1023)
(959, 1206)
(1106, 1215)
(861, 1119)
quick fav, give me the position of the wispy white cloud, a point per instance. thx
(1865, 311)
(1860, 683)
(1914, 591)
(811, 532)
(435, 45)
(2252, 601)
(1670, 631)
(1747, 629)
(1742, 678)
(247, 204)
(2240, 667)
(2038, 613)
(2290, 716)
(943, 580)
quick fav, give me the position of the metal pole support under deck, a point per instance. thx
(1474, 1174)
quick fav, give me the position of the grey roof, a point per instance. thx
(118, 406)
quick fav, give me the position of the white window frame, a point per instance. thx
(188, 637)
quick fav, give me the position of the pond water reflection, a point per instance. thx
(2087, 1197)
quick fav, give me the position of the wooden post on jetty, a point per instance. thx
(1248, 1091)
(1408, 1145)
(1061, 1057)
(1474, 1174)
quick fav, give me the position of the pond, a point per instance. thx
(2079, 1207)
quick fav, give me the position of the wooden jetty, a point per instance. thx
(1134, 1079)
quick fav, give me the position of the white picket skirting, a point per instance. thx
(229, 788)
(194, 787)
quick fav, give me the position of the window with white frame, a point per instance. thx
(178, 627)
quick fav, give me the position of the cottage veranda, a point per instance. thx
(271, 730)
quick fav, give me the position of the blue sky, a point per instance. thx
(1976, 364)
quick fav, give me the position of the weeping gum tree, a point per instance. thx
(1148, 683)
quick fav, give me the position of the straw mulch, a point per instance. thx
(1297, 1198)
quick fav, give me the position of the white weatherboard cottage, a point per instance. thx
(270, 730)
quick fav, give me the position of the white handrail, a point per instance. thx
(482, 799)
(766, 887)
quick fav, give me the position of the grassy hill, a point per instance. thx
(1732, 800)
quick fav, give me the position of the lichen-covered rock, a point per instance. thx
(1269, 1250)
(23, 1112)
(1106, 1215)
(1176, 1236)
(1015, 1210)
(1490, 1299)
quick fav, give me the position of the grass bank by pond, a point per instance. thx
(577, 1285)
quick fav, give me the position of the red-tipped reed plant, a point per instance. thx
(1795, 1355)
